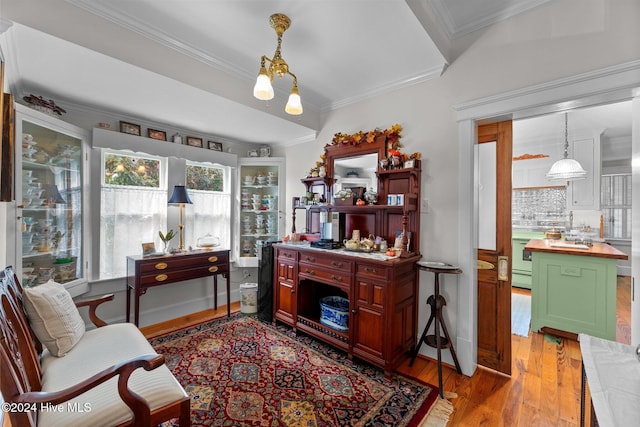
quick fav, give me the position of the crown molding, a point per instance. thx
(623, 79)
(158, 36)
(503, 13)
(431, 74)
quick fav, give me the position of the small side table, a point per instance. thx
(437, 302)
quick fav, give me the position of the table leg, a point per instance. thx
(215, 291)
(423, 338)
(228, 277)
(136, 307)
(128, 303)
(437, 332)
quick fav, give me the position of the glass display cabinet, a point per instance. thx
(50, 203)
(261, 206)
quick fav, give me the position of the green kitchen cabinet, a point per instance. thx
(521, 259)
(574, 293)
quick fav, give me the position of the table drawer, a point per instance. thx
(287, 254)
(179, 275)
(179, 262)
(326, 260)
(332, 277)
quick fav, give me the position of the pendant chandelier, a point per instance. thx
(566, 169)
(277, 66)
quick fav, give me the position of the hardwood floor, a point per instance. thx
(543, 390)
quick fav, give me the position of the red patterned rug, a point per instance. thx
(240, 371)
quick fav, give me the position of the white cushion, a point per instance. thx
(97, 350)
(54, 317)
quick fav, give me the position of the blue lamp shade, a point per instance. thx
(179, 196)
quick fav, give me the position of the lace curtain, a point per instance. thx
(129, 216)
(210, 213)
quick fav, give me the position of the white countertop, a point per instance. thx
(379, 256)
(613, 374)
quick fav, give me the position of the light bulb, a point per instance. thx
(263, 89)
(294, 104)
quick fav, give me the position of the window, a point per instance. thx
(209, 189)
(133, 205)
(615, 202)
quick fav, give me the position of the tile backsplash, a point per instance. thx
(540, 208)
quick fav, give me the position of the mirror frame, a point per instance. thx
(333, 152)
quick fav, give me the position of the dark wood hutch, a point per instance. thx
(381, 292)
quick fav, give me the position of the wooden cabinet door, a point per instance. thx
(368, 320)
(285, 292)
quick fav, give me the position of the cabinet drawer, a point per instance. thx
(325, 260)
(178, 263)
(179, 275)
(373, 271)
(288, 254)
(331, 277)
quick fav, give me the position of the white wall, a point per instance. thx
(554, 41)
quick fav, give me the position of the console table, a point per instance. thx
(147, 272)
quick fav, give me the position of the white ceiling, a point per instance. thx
(191, 64)
(612, 122)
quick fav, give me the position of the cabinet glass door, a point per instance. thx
(260, 205)
(49, 191)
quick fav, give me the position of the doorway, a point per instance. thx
(540, 205)
(615, 84)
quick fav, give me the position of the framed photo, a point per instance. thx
(217, 146)
(194, 142)
(130, 128)
(157, 134)
(409, 164)
(148, 249)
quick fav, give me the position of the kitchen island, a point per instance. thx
(574, 287)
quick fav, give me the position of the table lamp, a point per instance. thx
(180, 197)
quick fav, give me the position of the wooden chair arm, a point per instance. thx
(93, 303)
(137, 404)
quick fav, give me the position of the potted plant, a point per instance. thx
(166, 238)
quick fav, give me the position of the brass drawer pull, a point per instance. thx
(161, 266)
(310, 258)
(336, 264)
(370, 270)
(161, 277)
(213, 269)
(311, 272)
(337, 278)
(213, 258)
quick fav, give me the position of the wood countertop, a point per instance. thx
(600, 250)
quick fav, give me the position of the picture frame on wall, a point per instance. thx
(194, 142)
(160, 135)
(216, 146)
(130, 128)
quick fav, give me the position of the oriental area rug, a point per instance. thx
(240, 371)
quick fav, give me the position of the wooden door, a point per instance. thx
(494, 246)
